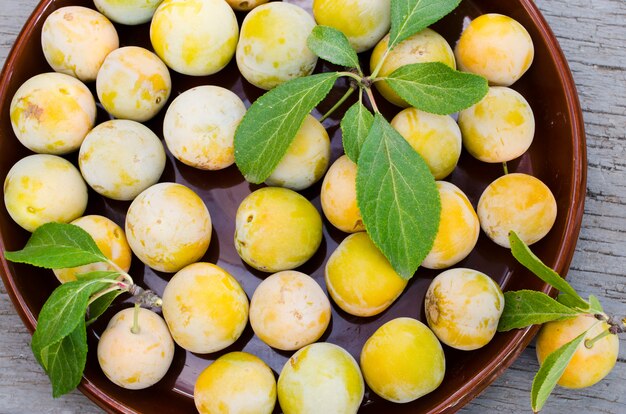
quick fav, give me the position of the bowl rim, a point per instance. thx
(520, 339)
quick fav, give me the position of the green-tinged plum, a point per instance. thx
(135, 359)
(360, 279)
(364, 22)
(289, 310)
(463, 308)
(130, 12)
(194, 37)
(321, 378)
(168, 227)
(273, 45)
(277, 229)
(245, 5)
(236, 383)
(403, 361)
(205, 308)
(43, 188)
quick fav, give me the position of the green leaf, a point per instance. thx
(398, 198)
(58, 246)
(272, 122)
(100, 305)
(551, 370)
(571, 302)
(98, 274)
(411, 16)
(332, 45)
(527, 258)
(596, 306)
(63, 312)
(436, 88)
(355, 127)
(65, 361)
(528, 307)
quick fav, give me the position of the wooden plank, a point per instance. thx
(593, 37)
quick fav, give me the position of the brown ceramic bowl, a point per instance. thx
(557, 157)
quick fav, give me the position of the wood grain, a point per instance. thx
(593, 37)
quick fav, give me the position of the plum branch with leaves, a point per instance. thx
(60, 339)
(527, 307)
(396, 193)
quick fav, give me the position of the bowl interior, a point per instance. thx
(557, 157)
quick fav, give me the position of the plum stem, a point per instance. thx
(380, 64)
(116, 286)
(370, 95)
(135, 327)
(338, 104)
(505, 167)
(125, 276)
(590, 342)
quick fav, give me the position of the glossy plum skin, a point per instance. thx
(360, 279)
(277, 229)
(364, 22)
(205, 308)
(403, 360)
(194, 37)
(437, 138)
(518, 202)
(129, 12)
(236, 383)
(496, 47)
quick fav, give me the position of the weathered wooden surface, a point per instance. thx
(593, 37)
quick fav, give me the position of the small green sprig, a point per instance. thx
(60, 339)
(396, 192)
(526, 308)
